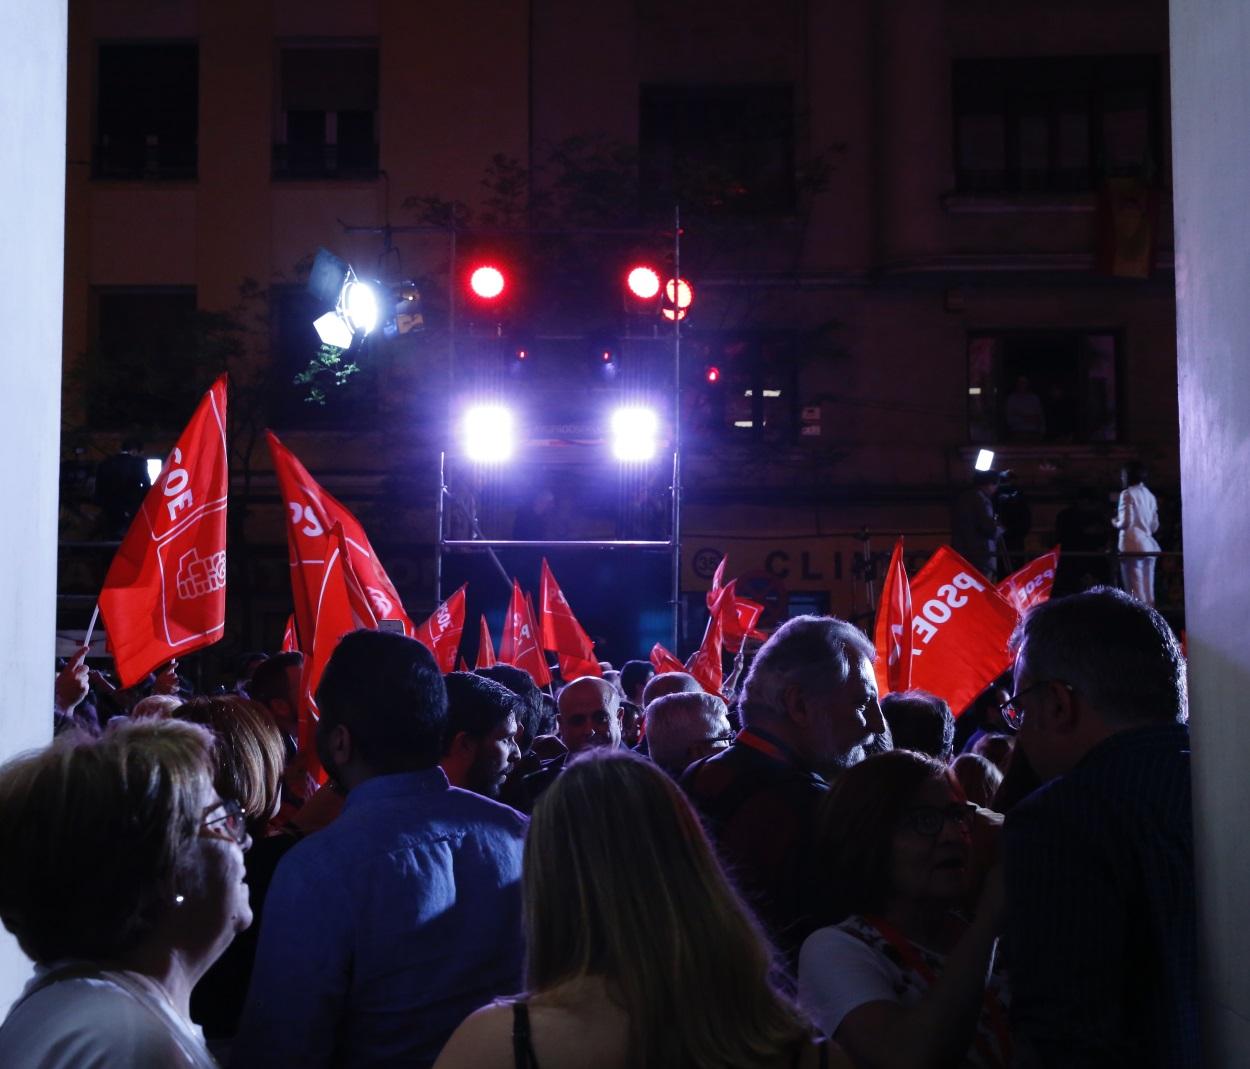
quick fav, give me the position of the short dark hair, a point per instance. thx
(634, 673)
(920, 721)
(387, 691)
(475, 705)
(531, 712)
(1134, 472)
(1113, 649)
(268, 682)
(854, 843)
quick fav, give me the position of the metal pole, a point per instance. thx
(438, 541)
(675, 534)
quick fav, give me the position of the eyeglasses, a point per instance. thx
(929, 821)
(725, 738)
(1010, 711)
(232, 821)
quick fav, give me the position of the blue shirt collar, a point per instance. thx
(399, 785)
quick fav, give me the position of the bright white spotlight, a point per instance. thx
(985, 460)
(488, 437)
(334, 330)
(154, 469)
(360, 306)
(633, 433)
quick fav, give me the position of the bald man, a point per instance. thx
(669, 683)
(589, 714)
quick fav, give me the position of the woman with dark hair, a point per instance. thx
(640, 953)
(124, 882)
(901, 980)
(1137, 520)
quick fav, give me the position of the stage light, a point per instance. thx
(633, 433)
(155, 464)
(334, 330)
(985, 460)
(678, 297)
(488, 434)
(712, 374)
(360, 306)
(643, 283)
(487, 282)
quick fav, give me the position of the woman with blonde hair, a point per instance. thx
(123, 881)
(640, 953)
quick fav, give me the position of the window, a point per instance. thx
(753, 397)
(726, 150)
(142, 372)
(1055, 125)
(328, 105)
(1043, 386)
(147, 110)
(293, 345)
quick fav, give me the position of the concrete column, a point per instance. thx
(32, 220)
(1210, 40)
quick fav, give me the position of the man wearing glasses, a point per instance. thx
(1101, 929)
(684, 728)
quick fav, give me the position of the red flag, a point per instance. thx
(706, 665)
(892, 635)
(339, 606)
(311, 512)
(289, 642)
(561, 633)
(485, 648)
(663, 661)
(738, 615)
(165, 592)
(961, 627)
(520, 639)
(440, 634)
(1032, 584)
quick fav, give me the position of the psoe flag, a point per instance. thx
(1032, 584)
(165, 592)
(961, 629)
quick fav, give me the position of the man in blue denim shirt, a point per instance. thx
(383, 931)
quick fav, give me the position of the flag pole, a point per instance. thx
(95, 615)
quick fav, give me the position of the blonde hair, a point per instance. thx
(249, 753)
(93, 831)
(621, 883)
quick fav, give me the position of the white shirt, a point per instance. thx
(109, 1020)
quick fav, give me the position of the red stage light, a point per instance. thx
(606, 356)
(643, 283)
(712, 374)
(487, 282)
(678, 292)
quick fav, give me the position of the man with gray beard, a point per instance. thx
(809, 706)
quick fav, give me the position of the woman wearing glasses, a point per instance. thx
(902, 979)
(123, 880)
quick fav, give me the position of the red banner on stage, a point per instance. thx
(165, 592)
(562, 634)
(519, 647)
(440, 634)
(311, 512)
(1032, 584)
(961, 627)
(893, 632)
(485, 648)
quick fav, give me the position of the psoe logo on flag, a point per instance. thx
(198, 575)
(382, 605)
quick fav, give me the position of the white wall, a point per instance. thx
(32, 222)
(1211, 165)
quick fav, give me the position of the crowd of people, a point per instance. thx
(629, 872)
